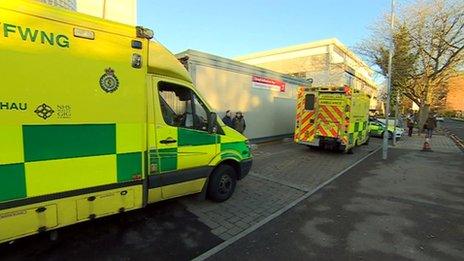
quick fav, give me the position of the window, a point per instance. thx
(201, 113)
(349, 80)
(181, 107)
(309, 102)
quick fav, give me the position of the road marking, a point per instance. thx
(261, 223)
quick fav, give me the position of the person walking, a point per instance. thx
(430, 125)
(410, 124)
(239, 122)
(228, 119)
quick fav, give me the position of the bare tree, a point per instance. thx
(429, 44)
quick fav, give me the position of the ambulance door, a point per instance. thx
(183, 144)
(306, 117)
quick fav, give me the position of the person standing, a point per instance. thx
(430, 125)
(239, 122)
(228, 119)
(410, 124)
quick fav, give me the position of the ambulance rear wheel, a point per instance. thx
(222, 183)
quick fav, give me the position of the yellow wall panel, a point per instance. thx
(11, 144)
(48, 177)
(129, 137)
(183, 188)
(154, 195)
(195, 156)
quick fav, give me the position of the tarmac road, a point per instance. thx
(456, 127)
(407, 208)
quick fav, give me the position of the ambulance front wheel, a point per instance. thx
(222, 183)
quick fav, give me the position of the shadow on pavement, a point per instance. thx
(163, 231)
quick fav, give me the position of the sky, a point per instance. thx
(234, 28)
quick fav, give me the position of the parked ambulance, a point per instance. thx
(333, 118)
(96, 119)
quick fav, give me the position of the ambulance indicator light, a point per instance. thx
(136, 44)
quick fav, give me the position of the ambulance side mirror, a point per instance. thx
(212, 122)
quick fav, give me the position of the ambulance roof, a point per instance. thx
(160, 61)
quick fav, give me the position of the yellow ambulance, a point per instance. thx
(332, 118)
(96, 119)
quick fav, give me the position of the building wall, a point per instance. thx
(267, 113)
(455, 97)
(67, 4)
(327, 62)
(123, 11)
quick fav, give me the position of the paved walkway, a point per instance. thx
(407, 208)
(439, 143)
(282, 172)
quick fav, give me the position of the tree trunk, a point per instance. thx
(423, 115)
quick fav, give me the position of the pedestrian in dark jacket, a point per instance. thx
(410, 124)
(430, 125)
(239, 122)
(228, 119)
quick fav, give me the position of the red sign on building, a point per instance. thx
(268, 84)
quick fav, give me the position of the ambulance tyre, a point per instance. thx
(222, 183)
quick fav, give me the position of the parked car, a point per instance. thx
(377, 128)
(441, 118)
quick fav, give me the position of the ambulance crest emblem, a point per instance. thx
(108, 81)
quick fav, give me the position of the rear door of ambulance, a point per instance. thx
(330, 114)
(72, 114)
(306, 113)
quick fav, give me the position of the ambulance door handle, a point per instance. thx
(168, 141)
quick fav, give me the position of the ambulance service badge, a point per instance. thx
(108, 81)
(44, 111)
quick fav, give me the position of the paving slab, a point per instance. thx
(282, 172)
